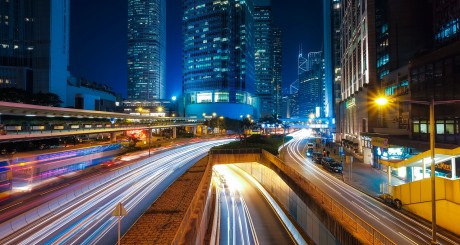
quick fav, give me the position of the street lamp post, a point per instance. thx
(432, 103)
(433, 175)
(150, 139)
(218, 123)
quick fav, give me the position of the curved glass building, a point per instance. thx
(218, 57)
(146, 49)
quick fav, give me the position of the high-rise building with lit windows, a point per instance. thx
(34, 45)
(264, 59)
(277, 70)
(377, 38)
(358, 67)
(311, 87)
(218, 57)
(332, 56)
(146, 50)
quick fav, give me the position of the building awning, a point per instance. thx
(441, 155)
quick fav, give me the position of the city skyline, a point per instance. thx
(108, 58)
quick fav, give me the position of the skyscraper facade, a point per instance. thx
(34, 45)
(218, 57)
(332, 56)
(264, 59)
(146, 49)
(311, 87)
(358, 59)
(277, 69)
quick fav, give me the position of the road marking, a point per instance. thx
(407, 238)
(11, 206)
(375, 217)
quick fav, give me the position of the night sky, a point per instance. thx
(98, 39)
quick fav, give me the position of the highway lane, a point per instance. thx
(87, 219)
(397, 227)
(246, 216)
(59, 185)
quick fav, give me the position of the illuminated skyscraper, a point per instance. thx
(264, 58)
(218, 57)
(146, 49)
(34, 45)
(311, 87)
(277, 69)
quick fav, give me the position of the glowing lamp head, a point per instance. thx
(381, 101)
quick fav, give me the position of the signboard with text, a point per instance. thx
(380, 142)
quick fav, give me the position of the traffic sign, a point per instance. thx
(119, 210)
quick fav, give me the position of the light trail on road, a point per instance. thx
(87, 219)
(399, 228)
(248, 214)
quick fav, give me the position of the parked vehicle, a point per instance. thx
(317, 157)
(309, 152)
(326, 161)
(335, 167)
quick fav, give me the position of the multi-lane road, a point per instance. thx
(83, 215)
(396, 226)
(247, 214)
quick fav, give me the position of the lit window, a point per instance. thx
(221, 97)
(439, 127)
(204, 97)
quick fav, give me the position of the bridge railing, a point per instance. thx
(236, 151)
(361, 229)
(76, 127)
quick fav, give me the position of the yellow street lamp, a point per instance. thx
(381, 101)
(431, 103)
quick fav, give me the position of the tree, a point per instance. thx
(21, 96)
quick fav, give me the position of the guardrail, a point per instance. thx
(194, 223)
(236, 151)
(37, 129)
(359, 227)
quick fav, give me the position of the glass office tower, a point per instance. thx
(218, 57)
(34, 46)
(264, 58)
(146, 49)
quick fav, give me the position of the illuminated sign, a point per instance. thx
(137, 134)
(444, 166)
(380, 142)
(349, 103)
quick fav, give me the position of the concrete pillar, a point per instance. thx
(389, 179)
(194, 130)
(454, 170)
(113, 137)
(174, 132)
(204, 129)
(424, 168)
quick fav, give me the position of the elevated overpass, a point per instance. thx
(34, 122)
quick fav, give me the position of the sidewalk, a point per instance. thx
(363, 176)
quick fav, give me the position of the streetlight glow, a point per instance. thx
(381, 101)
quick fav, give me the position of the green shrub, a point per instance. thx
(269, 143)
